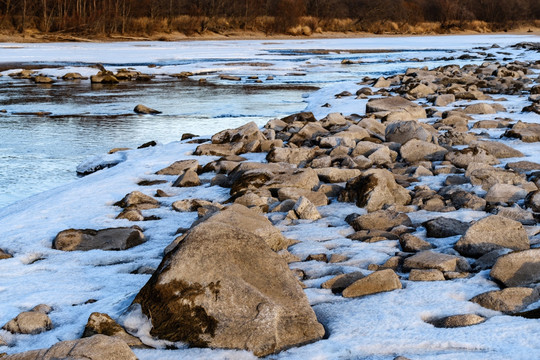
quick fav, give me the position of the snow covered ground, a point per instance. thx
(379, 326)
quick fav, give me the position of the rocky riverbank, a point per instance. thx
(424, 202)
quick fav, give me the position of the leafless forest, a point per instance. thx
(296, 17)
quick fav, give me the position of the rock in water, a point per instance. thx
(519, 268)
(223, 287)
(142, 109)
(29, 322)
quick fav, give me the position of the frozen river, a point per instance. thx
(41, 152)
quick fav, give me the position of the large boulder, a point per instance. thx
(336, 175)
(223, 287)
(375, 189)
(492, 233)
(519, 268)
(97, 347)
(106, 239)
(407, 110)
(220, 149)
(498, 149)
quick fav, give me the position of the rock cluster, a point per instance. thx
(225, 283)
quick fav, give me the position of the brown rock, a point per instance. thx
(223, 287)
(432, 260)
(142, 109)
(339, 283)
(426, 275)
(179, 167)
(380, 220)
(509, 300)
(519, 268)
(136, 200)
(188, 179)
(411, 243)
(29, 322)
(455, 321)
(375, 189)
(379, 281)
(97, 347)
(103, 324)
(106, 239)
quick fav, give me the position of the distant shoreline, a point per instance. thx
(37, 37)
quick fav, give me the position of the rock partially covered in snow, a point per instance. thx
(106, 239)
(223, 287)
(100, 162)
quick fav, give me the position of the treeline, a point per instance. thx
(270, 16)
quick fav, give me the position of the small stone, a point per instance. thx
(341, 282)
(131, 215)
(4, 255)
(99, 323)
(136, 200)
(455, 321)
(106, 239)
(317, 257)
(432, 260)
(379, 281)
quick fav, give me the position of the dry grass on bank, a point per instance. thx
(186, 27)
